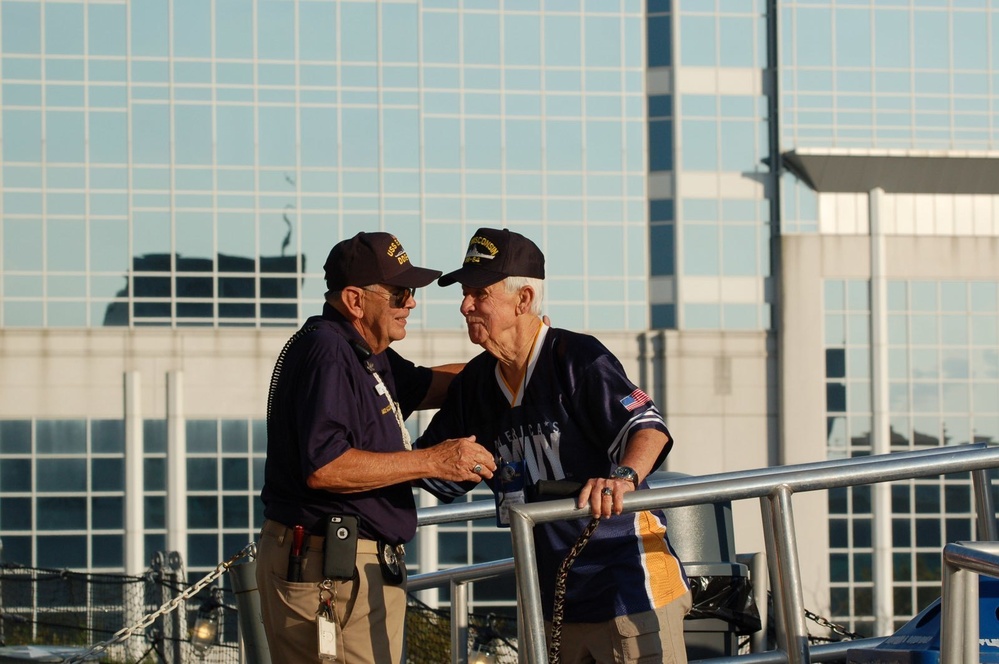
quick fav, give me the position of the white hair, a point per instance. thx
(514, 284)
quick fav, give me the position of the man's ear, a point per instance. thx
(352, 300)
(525, 300)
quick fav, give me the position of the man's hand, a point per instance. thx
(604, 496)
(462, 460)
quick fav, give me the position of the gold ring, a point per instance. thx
(607, 491)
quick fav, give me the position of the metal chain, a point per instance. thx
(127, 632)
(831, 626)
(555, 649)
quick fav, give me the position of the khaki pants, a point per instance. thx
(371, 613)
(653, 637)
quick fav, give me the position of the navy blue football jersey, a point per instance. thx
(571, 419)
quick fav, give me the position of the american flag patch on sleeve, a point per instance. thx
(634, 400)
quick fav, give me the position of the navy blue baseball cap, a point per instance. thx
(374, 258)
(495, 254)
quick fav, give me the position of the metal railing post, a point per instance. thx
(788, 573)
(985, 509)
(757, 564)
(251, 625)
(528, 584)
(459, 622)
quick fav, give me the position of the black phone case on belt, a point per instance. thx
(340, 547)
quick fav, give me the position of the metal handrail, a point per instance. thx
(962, 563)
(458, 578)
(774, 488)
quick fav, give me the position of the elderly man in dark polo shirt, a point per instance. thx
(336, 445)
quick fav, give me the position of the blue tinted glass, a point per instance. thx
(891, 38)
(662, 250)
(661, 145)
(932, 32)
(853, 37)
(108, 512)
(202, 474)
(813, 39)
(971, 50)
(106, 27)
(700, 145)
(61, 474)
(234, 28)
(562, 40)
(193, 143)
(603, 146)
(15, 514)
(62, 551)
(108, 474)
(360, 42)
(61, 436)
(202, 436)
(603, 42)
(21, 28)
(276, 29)
(191, 32)
(698, 47)
(735, 35)
(360, 137)
(522, 39)
(440, 37)
(565, 145)
(702, 316)
(481, 38)
(399, 39)
(701, 251)
(64, 28)
(659, 41)
(15, 475)
(202, 512)
(482, 140)
(663, 316)
(107, 436)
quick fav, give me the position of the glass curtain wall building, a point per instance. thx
(188, 164)
(783, 216)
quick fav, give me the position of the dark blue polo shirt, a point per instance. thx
(324, 403)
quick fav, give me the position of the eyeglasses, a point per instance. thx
(396, 299)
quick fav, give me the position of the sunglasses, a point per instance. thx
(397, 299)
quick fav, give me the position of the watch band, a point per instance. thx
(625, 473)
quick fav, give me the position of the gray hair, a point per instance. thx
(514, 284)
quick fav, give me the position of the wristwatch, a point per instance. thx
(625, 473)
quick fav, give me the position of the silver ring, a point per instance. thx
(477, 468)
(607, 491)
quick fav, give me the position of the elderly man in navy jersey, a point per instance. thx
(551, 404)
(337, 446)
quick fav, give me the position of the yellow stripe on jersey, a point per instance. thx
(664, 579)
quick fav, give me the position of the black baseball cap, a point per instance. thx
(495, 254)
(374, 258)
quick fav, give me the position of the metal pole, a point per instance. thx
(251, 624)
(528, 585)
(789, 575)
(757, 564)
(769, 539)
(985, 508)
(952, 600)
(459, 622)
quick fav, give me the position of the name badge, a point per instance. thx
(510, 490)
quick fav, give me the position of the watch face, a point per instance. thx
(626, 473)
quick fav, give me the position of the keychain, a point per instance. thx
(327, 625)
